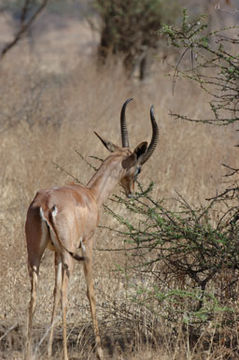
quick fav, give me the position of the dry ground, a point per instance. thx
(52, 98)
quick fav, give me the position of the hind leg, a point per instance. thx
(58, 283)
(36, 238)
(67, 268)
(32, 305)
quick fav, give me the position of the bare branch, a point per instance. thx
(24, 11)
(24, 26)
(233, 170)
(227, 191)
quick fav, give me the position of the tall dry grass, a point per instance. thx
(45, 116)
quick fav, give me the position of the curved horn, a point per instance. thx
(123, 127)
(155, 136)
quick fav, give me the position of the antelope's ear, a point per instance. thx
(108, 144)
(134, 158)
(141, 149)
(130, 161)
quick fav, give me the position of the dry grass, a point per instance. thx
(48, 110)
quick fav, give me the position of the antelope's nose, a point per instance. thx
(130, 196)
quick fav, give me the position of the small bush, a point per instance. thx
(182, 264)
(129, 29)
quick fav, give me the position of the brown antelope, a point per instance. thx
(65, 218)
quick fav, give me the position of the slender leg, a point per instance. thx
(36, 239)
(32, 305)
(91, 297)
(67, 267)
(58, 282)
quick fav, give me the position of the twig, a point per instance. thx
(223, 193)
(86, 161)
(8, 331)
(65, 171)
(45, 335)
(234, 170)
(24, 28)
(24, 12)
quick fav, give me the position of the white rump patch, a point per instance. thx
(82, 247)
(54, 211)
(47, 230)
(42, 214)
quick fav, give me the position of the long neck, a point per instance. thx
(106, 178)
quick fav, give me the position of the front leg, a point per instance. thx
(87, 253)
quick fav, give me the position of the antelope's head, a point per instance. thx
(132, 160)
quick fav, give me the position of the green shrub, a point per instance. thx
(188, 258)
